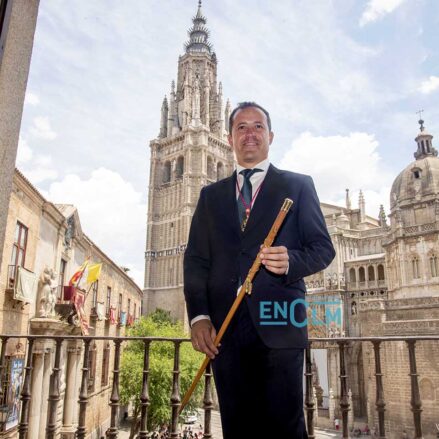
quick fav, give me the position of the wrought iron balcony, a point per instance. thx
(341, 344)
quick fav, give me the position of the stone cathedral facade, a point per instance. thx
(387, 278)
(190, 152)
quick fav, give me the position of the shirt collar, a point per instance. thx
(261, 165)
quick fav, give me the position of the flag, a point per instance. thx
(94, 271)
(78, 274)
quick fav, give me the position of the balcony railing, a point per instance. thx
(341, 344)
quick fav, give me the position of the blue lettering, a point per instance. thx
(264, 308)
(282, 309)
(293, 317)
(333, 317)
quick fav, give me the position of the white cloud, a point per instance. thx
(340, 162)
(31, 98)
(37, 175)
(24, 152)
(41, 169)
(376, 9)
(429, 85)
(37, 168)
(112, 213)
(42, 129)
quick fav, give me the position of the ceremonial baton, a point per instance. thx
(246, 288)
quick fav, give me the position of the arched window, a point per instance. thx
(220, 171)
(434, 266)
(167, 172)
(381, 272)
(362, 274)
(180, 167)
(352, 275)
(415, 268)
(371, 272)
(210, 174)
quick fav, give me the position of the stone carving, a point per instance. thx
(196, 99)
(354, 308)
(70, 231)
(332, 281)
(47, 294)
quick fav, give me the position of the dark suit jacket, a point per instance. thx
(219, 256)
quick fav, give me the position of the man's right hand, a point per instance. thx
(202, 336)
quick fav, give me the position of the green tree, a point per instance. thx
(161, 364)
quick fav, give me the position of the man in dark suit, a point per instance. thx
(258, 368)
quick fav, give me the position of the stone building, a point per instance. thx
(190, 152)
(386, 277)
(44, 246)
(17, 28)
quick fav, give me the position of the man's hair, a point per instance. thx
(243, 105)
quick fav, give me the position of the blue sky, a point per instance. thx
(342, 81)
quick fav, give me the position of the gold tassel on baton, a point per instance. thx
(246, 288)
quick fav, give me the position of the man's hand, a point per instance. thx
(275, 259)
(202, 336)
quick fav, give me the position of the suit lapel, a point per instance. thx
(229, 208)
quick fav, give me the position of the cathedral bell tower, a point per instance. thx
(191, 151)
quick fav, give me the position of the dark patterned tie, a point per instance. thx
(246, 193)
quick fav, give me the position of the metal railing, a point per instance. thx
(174, 398)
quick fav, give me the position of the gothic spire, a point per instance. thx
(348, 199)
(382, 217)
(423, 139)
(362, 206)
(199, 35)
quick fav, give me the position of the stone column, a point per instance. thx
(351, 410)
(69, 398)
(331, 406)
(70, 408)
(36, 389)
(316, 405)
(45, 392)
(78, 376)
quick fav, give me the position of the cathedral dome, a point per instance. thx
(420, 179)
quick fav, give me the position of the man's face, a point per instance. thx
(250, 137)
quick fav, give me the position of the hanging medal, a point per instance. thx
(247, 207)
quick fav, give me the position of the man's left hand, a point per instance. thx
(275, 259)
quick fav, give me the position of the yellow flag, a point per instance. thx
(94, 271)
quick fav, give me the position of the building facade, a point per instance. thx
(190, 152)
(44, 246)
(386, 277)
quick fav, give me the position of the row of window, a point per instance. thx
(433, 264)
(108, 303)
(213, 172)
(18, 258)
(371, 269)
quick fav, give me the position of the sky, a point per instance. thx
(342, 81)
